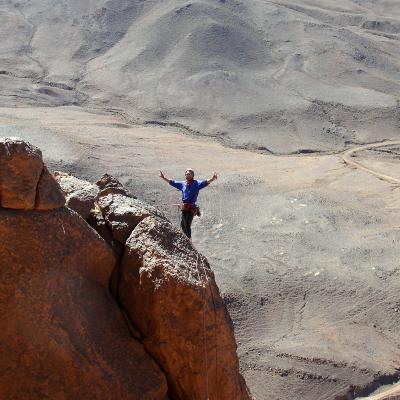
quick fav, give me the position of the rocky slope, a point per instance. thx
(281, 76)
(78, 321)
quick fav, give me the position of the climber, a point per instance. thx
(190, 190)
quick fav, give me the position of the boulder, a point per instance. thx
(49, 194)
(21, 166)
(82, 201)
(169, 292)
(69, 183)
(108, 184)
(62, 334)
(81, 195)
(123, 213)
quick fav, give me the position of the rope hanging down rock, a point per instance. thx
(204, 325)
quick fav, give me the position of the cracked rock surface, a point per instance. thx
(62, 334)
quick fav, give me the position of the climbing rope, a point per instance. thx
(204, 327)
(166, 205)
(215, 329)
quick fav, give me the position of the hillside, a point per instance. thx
(280, 77)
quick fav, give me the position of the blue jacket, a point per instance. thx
(189, 191)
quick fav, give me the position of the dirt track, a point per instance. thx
(391, 394)
(347, 158)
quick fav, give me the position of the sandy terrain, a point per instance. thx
(305, 248)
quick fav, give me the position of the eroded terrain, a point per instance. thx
(280, 76)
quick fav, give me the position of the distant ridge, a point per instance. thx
(284, 75)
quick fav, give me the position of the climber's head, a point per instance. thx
(189, 174)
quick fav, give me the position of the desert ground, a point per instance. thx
(304, 247)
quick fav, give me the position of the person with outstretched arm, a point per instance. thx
(190, 188)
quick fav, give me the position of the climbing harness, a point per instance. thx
(182, 206)
(166, 205)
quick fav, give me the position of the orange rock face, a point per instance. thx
(20, 169)
(62, 335)
(25, 183)
(170, 294)
(49, 194)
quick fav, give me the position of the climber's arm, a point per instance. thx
(163, 177)
(212, 179)
(176, 184)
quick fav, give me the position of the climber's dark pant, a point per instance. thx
(186, 222)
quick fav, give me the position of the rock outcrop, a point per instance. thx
(122, 214)
(131, 311)
(170, 294)
(80, 195)
(108, 184)
(25, 184)
(62, 335)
